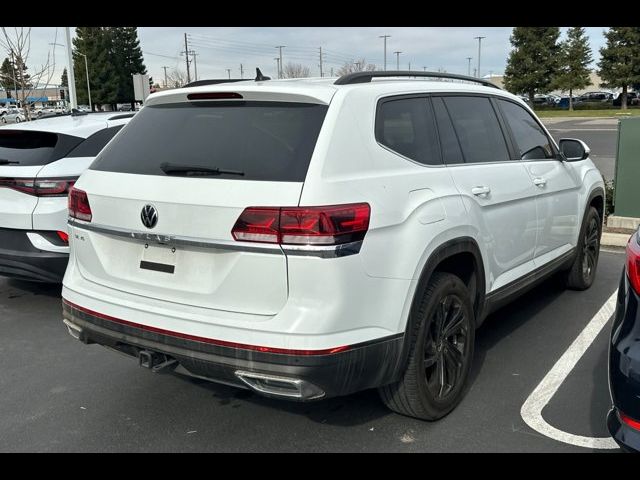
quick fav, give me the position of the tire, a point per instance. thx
(583, 271)
(430, 392)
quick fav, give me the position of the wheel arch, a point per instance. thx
(444, 259)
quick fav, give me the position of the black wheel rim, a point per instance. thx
(445, 352)
(590, 247)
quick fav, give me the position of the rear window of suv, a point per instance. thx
(270, 141)
(31, 148)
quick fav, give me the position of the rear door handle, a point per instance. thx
(539, 182)
(481, 191)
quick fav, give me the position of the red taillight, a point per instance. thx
(64, 236)
(79, 205)
(213, 95)
(40, 187)
(633, 262)
(629, 421)
(329, 225)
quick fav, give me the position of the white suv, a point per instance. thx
(39, 163)
(310, 238)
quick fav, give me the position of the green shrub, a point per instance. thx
(609, 190)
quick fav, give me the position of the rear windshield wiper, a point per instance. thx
(4, 161)
(196, 170)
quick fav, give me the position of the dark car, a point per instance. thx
(633, 98)
(623, 420)
(596, 97)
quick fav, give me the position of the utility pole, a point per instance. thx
(195, 64)
(479, 52)
(424, 69)
(321, 63)
(332, 71)
(165, 76)
(277, 59)
(409, 66)
(72, 77)
(229, 73)
(280, 47)
(186, 54)
(469, 65)
(241, 72)
(385, 49)
(397, 54)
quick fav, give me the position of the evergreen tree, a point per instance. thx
(129, 61)
(6, 76)
(533, 61)
(575, 57)
(620, 59)
(96, 43)
(64, 80)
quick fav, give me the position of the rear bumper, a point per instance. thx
(624, 435)
(20, 259)
(348, 370)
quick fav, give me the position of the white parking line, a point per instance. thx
(531, 411)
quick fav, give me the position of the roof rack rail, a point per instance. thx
(122, 115)
(366, 77)
(213, 81)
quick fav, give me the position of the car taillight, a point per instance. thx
(40, 187)
(633, 261)
(328, 225)
(629, 421)
(79, 205)
(64, 236)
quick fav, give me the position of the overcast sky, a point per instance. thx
(222, 48)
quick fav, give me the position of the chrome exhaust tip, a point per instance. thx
(283, 387)
(73, 329)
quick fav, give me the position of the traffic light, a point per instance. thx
(150, 82)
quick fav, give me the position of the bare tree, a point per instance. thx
(17, 43)
(295, 70)
(353, 66)
(176, 78)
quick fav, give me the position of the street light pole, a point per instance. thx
(397, 59)
(469, 66)
(385, 49)
(70, 74)
(86, 69)
(479, 52)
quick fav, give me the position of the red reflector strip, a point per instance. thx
(213, 95)
(64, 236)
(629, 421)
(211, 341)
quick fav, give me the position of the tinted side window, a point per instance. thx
(407, 126)
(477, 128)
(29, 148)
(451, 152)
(96, 142)
(530, 139)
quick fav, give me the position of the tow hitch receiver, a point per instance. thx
(156, 362)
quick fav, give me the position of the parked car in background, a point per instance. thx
(564, 101)
(312, 238)
(13, 117)
(125, 107)
(623, 420)
(633, 98)
(596, 97)
(39, 163)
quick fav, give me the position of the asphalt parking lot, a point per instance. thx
(59, 395)
(600, 134)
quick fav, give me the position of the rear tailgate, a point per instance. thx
(189, 256)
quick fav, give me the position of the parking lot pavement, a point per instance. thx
(61, 395)
(600, 134)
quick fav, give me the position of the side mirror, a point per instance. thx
(573, 149)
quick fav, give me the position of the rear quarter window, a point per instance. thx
(92, 145)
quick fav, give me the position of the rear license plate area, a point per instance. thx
(158, 259)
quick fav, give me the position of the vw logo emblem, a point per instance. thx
(149, 216)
